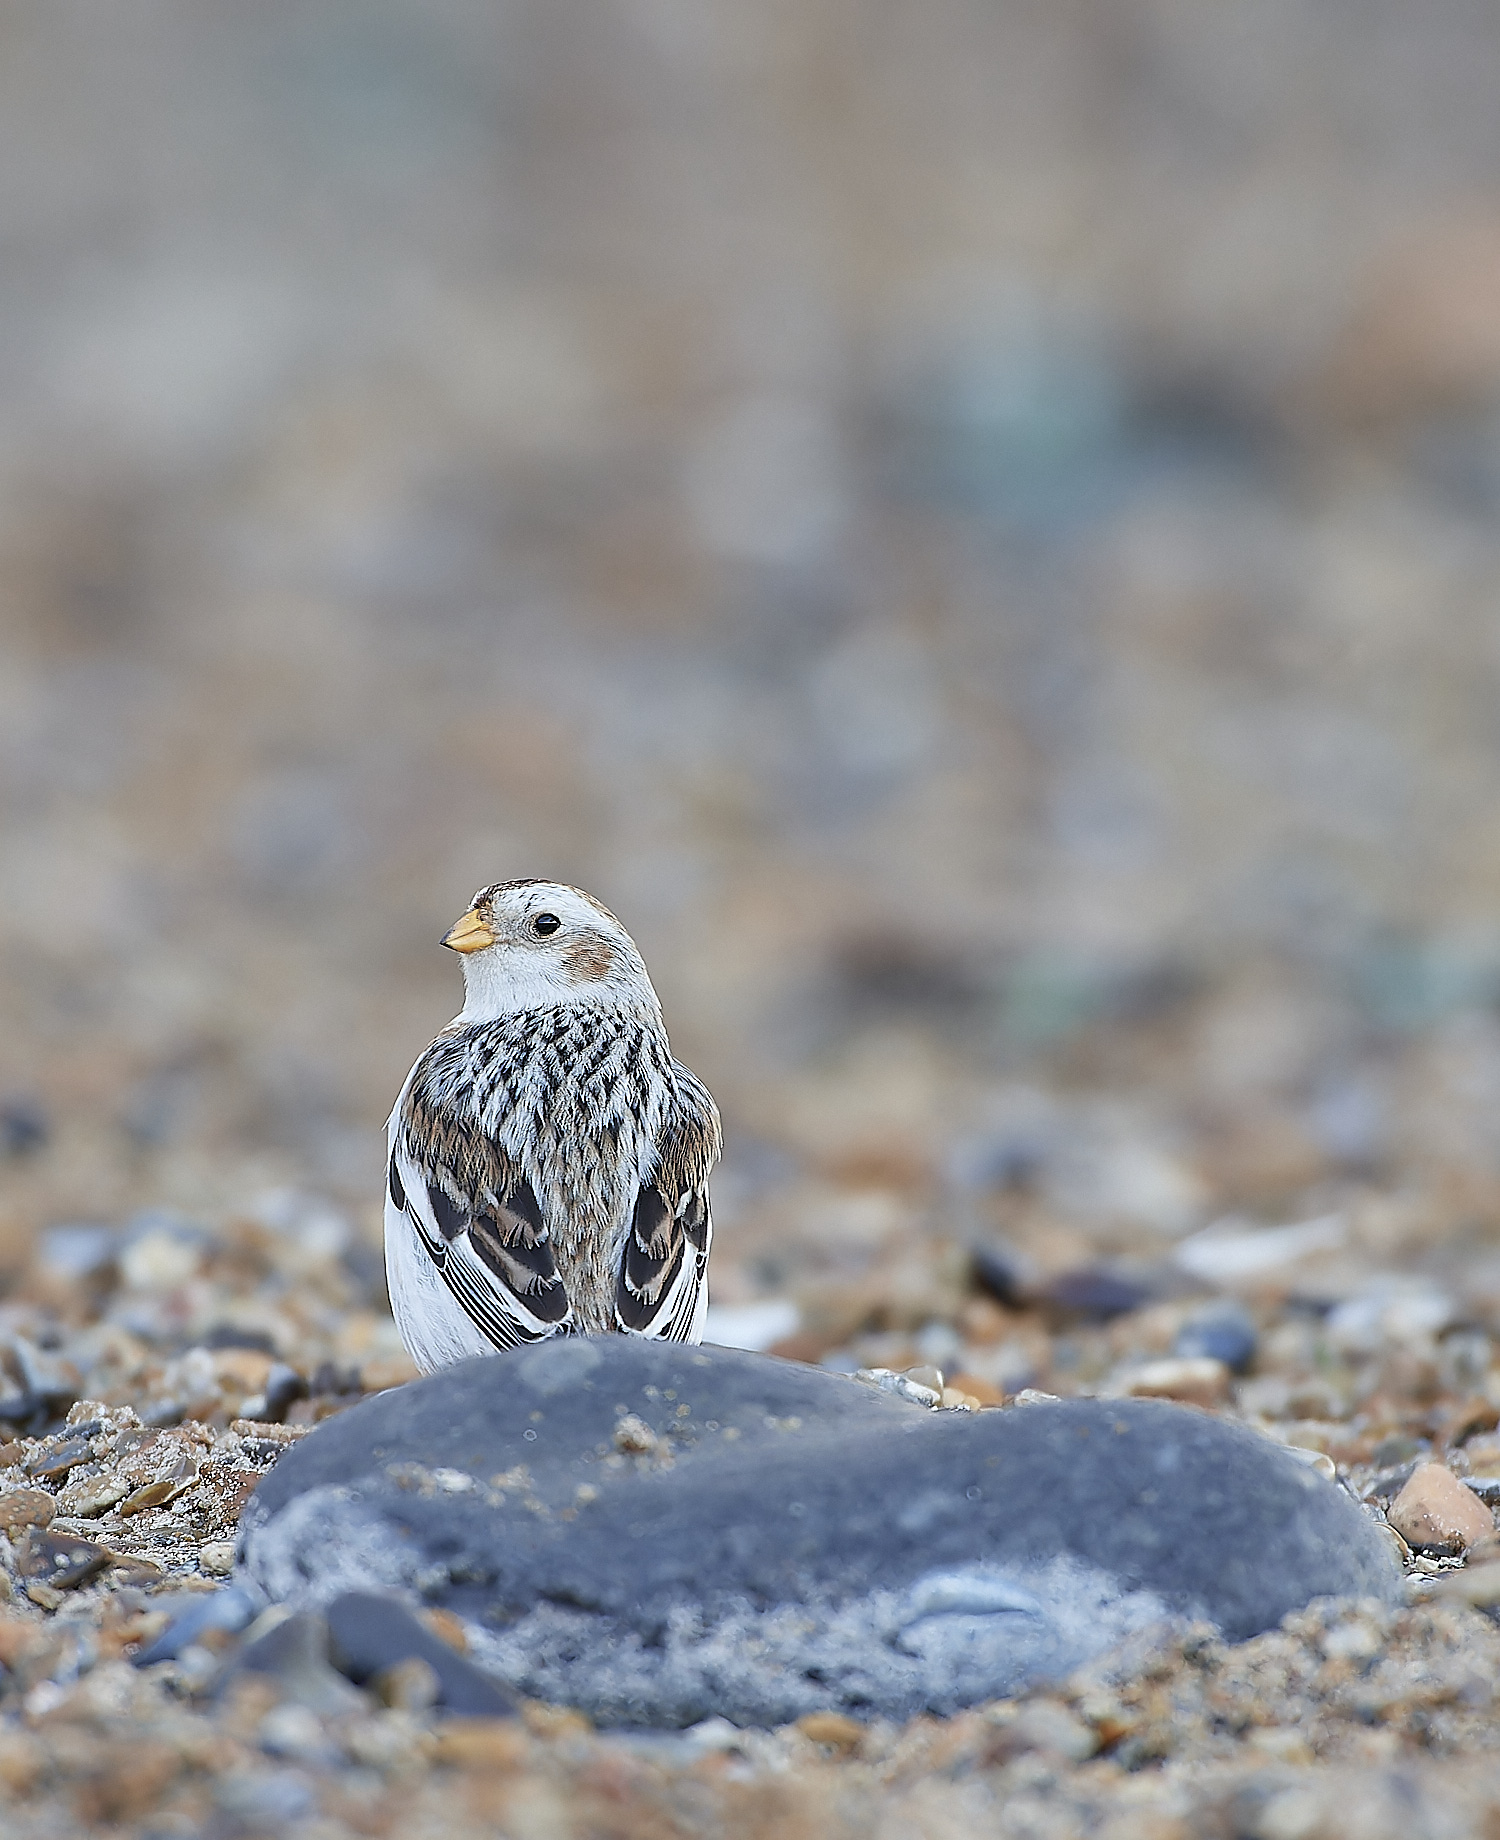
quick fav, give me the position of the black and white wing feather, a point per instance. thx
(660, 1290)
(477, 1218)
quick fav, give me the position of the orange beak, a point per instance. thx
(470, 934)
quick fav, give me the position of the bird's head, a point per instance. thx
(534, 945)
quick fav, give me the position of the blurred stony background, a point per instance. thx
(972, 527)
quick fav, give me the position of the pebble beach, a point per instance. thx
(152, 1391)
(974, 531)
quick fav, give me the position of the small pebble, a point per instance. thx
(1399, 1449)
(57, 1459)
(1226, 1333)
(160, 1258)
(94, 1496)
(1049, 1728)
(1199, 1381)
(833, 1729)
(58, 1560)
(296, 1733)
(982, 1392)
(262, 1431)
(157, 1494)
(447, 1628)
(284, 1385)
(195, 1615)
(1094, 1294)
(1314, 1459)
(955, 1400)
(377, 1375)
(216, 1558)
(1436, 1513)
(481, 1744)
(247, 1368)
(22, 1508)
(262, 1803)
(1286, 1745)
(1478, 1585)
(1356, 1640)
(76, 1251)
(915, 1392)
(1227, 1253)
(1002, 1271)
(411, 1685)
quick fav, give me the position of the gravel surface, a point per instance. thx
(976, 530)
(121, 1503)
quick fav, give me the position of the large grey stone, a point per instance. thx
(659, 1533)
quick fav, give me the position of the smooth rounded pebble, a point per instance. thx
(23, 1508)
(660, 1534)
(1435, 1512)
(1223, 1332)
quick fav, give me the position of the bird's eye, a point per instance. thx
(545, 923)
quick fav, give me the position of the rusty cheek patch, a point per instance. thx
(589, 961)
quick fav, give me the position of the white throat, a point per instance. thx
(505, 979)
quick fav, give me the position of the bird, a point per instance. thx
(547, 1158)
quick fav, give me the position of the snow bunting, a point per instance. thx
(548, 1159)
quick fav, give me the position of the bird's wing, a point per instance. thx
(660, 1281)
(478, 1220)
